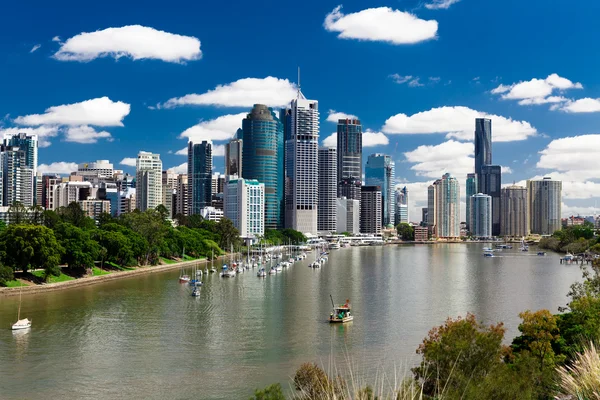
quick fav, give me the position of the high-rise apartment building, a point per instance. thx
(471, 189)
(26, 143)
(262, 160)
(244, 205)
(380, 171)
(181, 195)
(544, 203)
(17, 177)
(349, 158)
(348, 216)
(490, 183)
(301, 165)
(199, 176)
(483, 146)
(327, 210)
(169, 187)
(370, 210)
(97, 169)
(443, 201)
(514, 211)
(233, 158)
(480, 218)
(402, 206)
(148, 177)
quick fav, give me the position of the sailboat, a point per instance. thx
(21, 323)
(212, 262)
(183, 278)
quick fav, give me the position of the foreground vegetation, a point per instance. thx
(553, 357)
(573, 239)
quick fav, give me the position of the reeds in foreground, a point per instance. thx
(582, 378)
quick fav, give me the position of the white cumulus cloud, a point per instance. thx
(44, 133)
(382, 24)
(451, 157)
(85, 134)
(369, 139)
(218, 129)
(218, 150)
(129, 161)
(440, 4)
(579, 156)
(537, 91)
(180, 169)
(101, 111)
(334, 116)
(34, 48)
(134, 41)
(585, 105)
(244, 92)
(60, 168)
(459, 123)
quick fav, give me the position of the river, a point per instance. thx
(146, 337)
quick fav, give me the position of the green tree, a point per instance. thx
(292, 236)
(151, 226)
(74, 215)
(228, 234)
(406, 231)
(31, 246)
(271, 392)
(17, 213)
(36, 215)
(163, 212)
(6, 275)
(539, 330)
(51, 218)
(80, 250)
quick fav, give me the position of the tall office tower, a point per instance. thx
(148, 177)
(98, 169)
(401, 206)
(301, 165)
(39, 189)
(490, 183)
(218, 183)
(483, 146)
(514, 210)
(544, 203)
(17, 177)
(244, 205)
(199, 176)
(233, 158)
(444, 207)
(327, 211)
(379, 171)
(169, 186)
(348, 215)
(370, 210)
(262, 136)
(181, 195)
(424, 216)
(480, 218)
(26, 143)
(349, 158)
(471, 190)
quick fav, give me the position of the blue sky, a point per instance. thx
(415, 72)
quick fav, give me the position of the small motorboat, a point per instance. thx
(261, 273)
(228, 273)
(488, 254)
(340, 314)
(541, 253)
(279, 268)
(196, 292)
(272, 271)
(184, 279)
(21, 324)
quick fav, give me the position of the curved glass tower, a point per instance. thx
(262, 160)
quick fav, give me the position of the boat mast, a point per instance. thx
(20, 297)
(331, 297)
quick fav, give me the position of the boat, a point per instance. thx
(261, 273)
(541, 253)
(272, 271)
(184, 279)
(196, 291)
(340, 314)
(568, 257)
(335, 246)
(279, 268)
(196, 281)
(488, 254)
(21, 323)
(488, 249)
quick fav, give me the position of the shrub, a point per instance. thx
(313, 383)
(6, 274)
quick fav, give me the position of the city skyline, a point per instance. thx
(544, 112)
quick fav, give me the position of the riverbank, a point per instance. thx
(92, 280)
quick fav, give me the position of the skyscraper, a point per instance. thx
(480, 218)
(444, 207)
(470, 191)
(544, 202)
(349, 161)
(17, 177)
(262, 159)
(483, 145)
(348, 215)
(26, 143)
(379, 171)
(490, 183)
(327, 211)
(514, 211)
(181, 196)
(244, 205)
(301, 165)
(148, 177)
(402, 206)
(169, 187)
(199, 176)
(370, 210)
(233, 158)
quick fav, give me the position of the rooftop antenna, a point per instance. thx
(298, 82)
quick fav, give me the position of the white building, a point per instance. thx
(212, 214)
(99, 169)
(65, 193)
(480, 220)
(148, 177)
(545, 205)
(444, 207)
(301, 165)
(402, 206)
(244, 205)
(326, 213)
(348, 215)
(18, 178)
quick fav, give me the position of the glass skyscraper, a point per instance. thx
(199, 176)
(262, 159)
(490, 182)
(480, 218)
(349, 157)
(472, 189)
(483, 146)
(379, 171)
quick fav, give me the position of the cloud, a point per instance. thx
(85, 134)
(451, 157)
(459, 123)
(44, 133)
(369, 139)
(101, 111)
(245, 92)
(434, 79)
(579, 156)
(219, 129)
(56, 39)
(506, 170)
(537, 91)
(412, 81)
(381, 24)
(585, 105)
(34, 48)
(133, 41)
(129, 161)
(61, 168)
(218, 151)
(180, 169)
(334, 116)
(440, 4)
